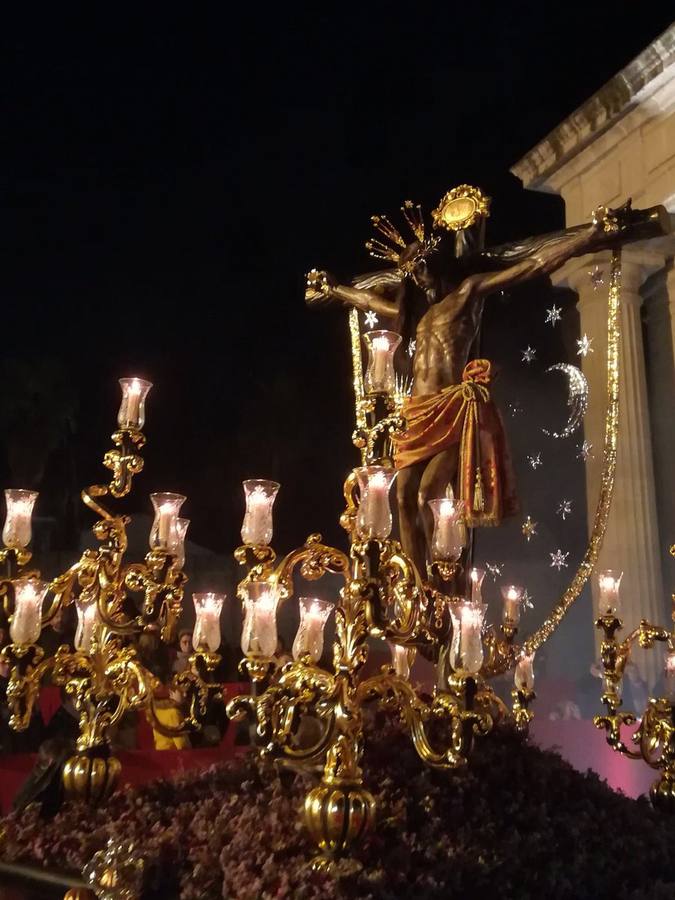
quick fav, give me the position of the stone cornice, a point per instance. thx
(641, 79)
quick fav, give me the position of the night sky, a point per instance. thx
(169, 175)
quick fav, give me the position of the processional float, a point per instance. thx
(427, 602)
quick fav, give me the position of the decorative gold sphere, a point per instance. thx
(91, 778)
(337, 816)
(662, 794)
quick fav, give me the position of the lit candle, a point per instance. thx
(447, 541)
(87, 617)
(17, 531)
(165, 524)
(609, 582)
(380, 376)
(513, 596)
(466, 648)
(523, 676)
(476, 577)
(401, 658)
(670, 676)
(208, 607)
(309, 637)
(259, 634)
(257, 528)
(164, 533)
(380, 351)
(134, 400)
(29, 594)
(374, 521)
(132, 408)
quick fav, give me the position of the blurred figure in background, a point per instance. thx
(182, 660)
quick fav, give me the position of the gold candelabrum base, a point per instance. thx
(653, 741)
(91, 776)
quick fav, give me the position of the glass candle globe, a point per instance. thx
(476, 577)
(466, 647)
(87, 619)
(259, 631)
(402, 659)
(373, 520)
(449, 536)
(208, 607)
(380, 376)
(523, 677)
(512, 595)
(17, 530)
(182, 526)
(29, 595)
(670, 676)
(164, 533)
(609, 583)
(258, 524)
(309, 637)
(132, 408)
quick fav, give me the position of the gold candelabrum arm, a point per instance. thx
(654, 738)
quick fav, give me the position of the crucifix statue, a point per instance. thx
(435, 296)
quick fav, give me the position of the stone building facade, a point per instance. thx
(621, 144)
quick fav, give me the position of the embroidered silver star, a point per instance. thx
(529, 353)
(585, 451)
(553, 315)
(515, 408)
(565, 508)
(527, 600)
(495, 570)
(597, 277)
(371, 319)
(584, 346)
(529, 529)
(412, 346)
(558, 560)
(535, 461)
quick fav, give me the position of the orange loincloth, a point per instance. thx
(464, 415)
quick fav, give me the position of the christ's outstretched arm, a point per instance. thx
(548, 258)
(322, 288)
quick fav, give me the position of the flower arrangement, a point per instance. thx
(518, 822)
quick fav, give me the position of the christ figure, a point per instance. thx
(454, 434)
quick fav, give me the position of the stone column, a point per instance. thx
(670, 288)
(632, 539)
(659, 319)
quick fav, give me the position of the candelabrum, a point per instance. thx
(115, 603)
(311, 716)
(654, 738)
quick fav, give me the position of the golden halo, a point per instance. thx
(460, 208)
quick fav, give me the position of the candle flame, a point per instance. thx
(258, 497)
(378, 480)
(381, 343)
(609, 581)
(472, 616)
(447, 508)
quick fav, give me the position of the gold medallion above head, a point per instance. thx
(461, 208)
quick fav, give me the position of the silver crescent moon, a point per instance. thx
(577, 400)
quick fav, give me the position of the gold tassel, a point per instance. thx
(478, 499)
